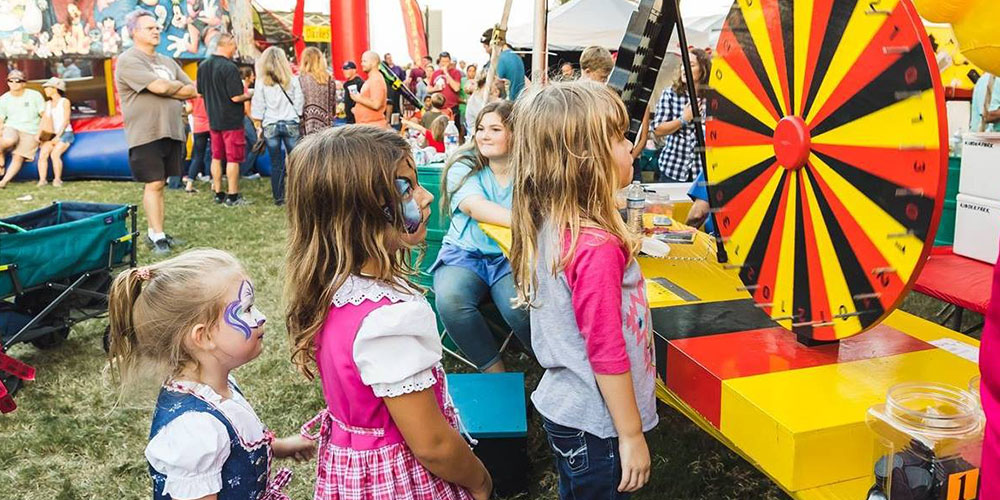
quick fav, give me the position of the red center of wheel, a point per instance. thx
(791, 142)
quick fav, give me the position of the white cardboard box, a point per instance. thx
(977, 228)
(980, 165)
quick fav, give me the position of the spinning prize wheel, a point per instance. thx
(826, 157)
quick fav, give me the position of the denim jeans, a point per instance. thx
(283, 132)
(459, 292)
(249, 165)
(201, 156)
(589, 467)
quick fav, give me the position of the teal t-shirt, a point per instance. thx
(511, 68)
(464, 231)
(22, 113)
(978, 98)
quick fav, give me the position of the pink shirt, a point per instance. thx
(595, 280)
(989, 365)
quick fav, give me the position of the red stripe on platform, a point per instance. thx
(696, 367)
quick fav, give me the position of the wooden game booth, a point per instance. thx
(826, 154)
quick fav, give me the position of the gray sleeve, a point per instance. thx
(131, 72)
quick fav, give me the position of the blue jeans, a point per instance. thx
(589, 467)
(458, 294)
(249, 165)
(283, 132)
(201, 155)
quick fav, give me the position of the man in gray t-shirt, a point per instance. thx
(152, 88)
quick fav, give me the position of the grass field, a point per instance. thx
(69, 439)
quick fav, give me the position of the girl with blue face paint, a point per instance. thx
(195, 316)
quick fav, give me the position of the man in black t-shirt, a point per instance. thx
(352, 85)
(220, 83)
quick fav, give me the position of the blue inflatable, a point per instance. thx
(103, 154)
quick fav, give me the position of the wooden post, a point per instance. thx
(539, 51)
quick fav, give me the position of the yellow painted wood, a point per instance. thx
(753, 13)
(730, 84)
(894, 126)
(693, 267)
(902, 253)
(806, 428)
(802, 17)
(860, 30)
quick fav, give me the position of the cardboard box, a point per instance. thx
(977, 228)
(980, 166)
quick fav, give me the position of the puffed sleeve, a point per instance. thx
(190, 451)
(397, 348)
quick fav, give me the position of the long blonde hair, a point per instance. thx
(151, 309)
(339, 181)
(314, 65)
(273, 68)
(565, 175)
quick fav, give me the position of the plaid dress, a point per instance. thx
(361, 453)
(678, 159)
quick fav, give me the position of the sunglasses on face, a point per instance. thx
(15, 80)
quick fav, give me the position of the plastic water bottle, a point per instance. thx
(635, 204)
(450, 138)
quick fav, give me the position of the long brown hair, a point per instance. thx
(151, 309)
(314, 65)
(339, 180)
(564, 172)
(469, 154)
(705, 63)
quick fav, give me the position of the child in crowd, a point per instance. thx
(574, 263)
(389, 429)
(435, 110)
(434, 135)
(194, 317)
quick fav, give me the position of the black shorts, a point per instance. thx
(157, 160)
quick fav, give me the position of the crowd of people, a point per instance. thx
(353, 315)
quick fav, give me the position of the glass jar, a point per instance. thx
(930, 439)
(659, 203)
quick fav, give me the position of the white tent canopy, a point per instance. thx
(581, 23)
(578, 24)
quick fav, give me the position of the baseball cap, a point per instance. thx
(349, 65)
(16, 74)
(55, 82)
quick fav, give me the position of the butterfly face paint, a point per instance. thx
(413, 217)
(241, 313)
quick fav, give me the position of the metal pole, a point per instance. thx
(695, 109)
(539, 52)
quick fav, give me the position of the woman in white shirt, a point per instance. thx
(57, 113)
(276, 109)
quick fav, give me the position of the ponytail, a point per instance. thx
(123, 344)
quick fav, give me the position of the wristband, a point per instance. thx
(684, 122)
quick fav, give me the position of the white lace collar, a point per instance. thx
(237, 410)
(357, 289)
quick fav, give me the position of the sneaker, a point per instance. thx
(173, 242)
(220, 197)
(252, 177)
(237, 201)
(204, 178)
(161, 247)
(279, 203)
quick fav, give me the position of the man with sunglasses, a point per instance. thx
(153, 89)
(20, 118)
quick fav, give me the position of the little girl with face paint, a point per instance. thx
(194, 317)
(389, 429)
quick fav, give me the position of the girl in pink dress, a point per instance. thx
(389, 431)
